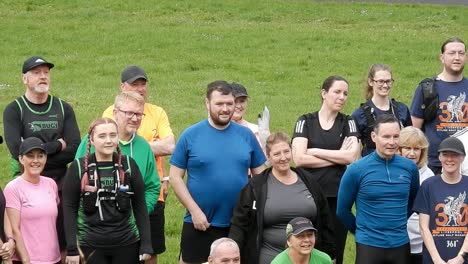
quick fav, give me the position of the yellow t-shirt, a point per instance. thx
(155, 125)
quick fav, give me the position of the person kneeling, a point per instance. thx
(300, 233)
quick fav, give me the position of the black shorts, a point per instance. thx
(195, 244)
(157, 220)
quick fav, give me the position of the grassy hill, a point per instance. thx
(280, 50)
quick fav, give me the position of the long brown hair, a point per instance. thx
(368, 90)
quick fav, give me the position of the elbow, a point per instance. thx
(299, 161)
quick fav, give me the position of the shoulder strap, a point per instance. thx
(20, 107)
(61, 107)
(430, 97)
(395, 111)
(370, 117)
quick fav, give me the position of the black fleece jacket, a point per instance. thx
(247, 219)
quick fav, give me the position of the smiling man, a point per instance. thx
(448, 111)
(301, 235)
(216, 154)
(383, 185)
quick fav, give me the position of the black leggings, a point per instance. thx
(375, 255)
(340, 230)
(115, 255)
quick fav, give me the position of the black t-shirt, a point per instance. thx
(308, 126)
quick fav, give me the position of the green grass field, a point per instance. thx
(280, 50)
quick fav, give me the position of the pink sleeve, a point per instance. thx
(53, 185)
(12, 196)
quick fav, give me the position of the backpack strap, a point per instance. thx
(430, 104)
(370, 117)
(20, 108)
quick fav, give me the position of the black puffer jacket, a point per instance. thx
(247, 219)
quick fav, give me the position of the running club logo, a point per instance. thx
(37, 126)
(451, 215)
(453, 115)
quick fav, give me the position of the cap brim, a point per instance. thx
(300, 230)
(241, 95)
(131, 80)
(33, 148)
(452, 150)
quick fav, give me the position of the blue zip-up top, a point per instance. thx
(384, 191)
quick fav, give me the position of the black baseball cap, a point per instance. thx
(452, 144)
(238, 90)
(31, 143)
(133, 73)
(34, 62)
(299, 225)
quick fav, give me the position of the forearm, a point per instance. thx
(343, 157)
(428, 240)
(163, 147)
(182, 193)
(20, 247)
(311, 161)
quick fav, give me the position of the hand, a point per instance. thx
(199, 221)
(164, 189)
(456, 260)
(7, 249)
(72, 260)
(64, 144)
(440, 261)
(145, 257)
(347, 143)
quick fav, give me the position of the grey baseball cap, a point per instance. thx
(133, 73)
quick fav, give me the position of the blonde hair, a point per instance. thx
(125, 96)
(274, 138)
(414, 137)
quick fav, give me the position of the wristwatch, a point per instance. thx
(463, 254)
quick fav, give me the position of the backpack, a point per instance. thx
(370, 117)
(430, 104)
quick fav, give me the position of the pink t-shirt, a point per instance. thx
(37, 203)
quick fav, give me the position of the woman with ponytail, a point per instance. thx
(104, 204)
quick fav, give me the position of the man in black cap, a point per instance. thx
(301, 233)
(155, 128)
(442, 206)
(39, 114)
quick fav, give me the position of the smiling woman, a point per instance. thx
(377, 91)
(31, 202)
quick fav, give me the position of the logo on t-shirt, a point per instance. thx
(37, 126)
(453, 116)
(452, 216)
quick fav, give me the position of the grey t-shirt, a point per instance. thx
(283, 203)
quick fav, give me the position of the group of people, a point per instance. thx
(100, 199)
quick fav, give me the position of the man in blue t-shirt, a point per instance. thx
(452, 89)
(442, 206)
(217, 155)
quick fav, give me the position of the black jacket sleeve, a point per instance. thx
(242, 217)
(71, 202)
(12, 128)
(71, 135)
(139, 209)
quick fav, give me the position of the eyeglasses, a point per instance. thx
(130, 114)
(381, 82)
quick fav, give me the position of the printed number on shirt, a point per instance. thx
(452, 243)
